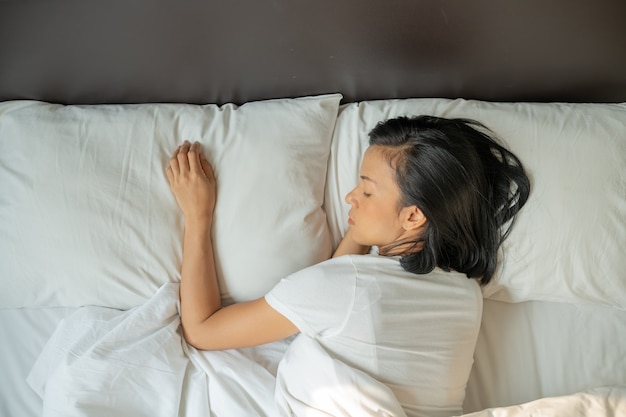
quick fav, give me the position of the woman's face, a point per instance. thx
(376, 218)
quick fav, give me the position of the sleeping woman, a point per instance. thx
(435, 199)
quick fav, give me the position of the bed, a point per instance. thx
(95, 96)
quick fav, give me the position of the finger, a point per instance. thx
(170, 175)
(184, 147)
(173, 165)
(194, 158)
(175, 152)
(183, 158)
(207, 168)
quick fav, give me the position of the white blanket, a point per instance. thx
(103, 362)
(597, 402)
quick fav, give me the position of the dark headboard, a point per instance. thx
(131, 51)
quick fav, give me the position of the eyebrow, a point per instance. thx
(366, 178)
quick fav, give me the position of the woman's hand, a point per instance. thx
(192, 181)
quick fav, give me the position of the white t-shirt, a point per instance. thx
(414, 333)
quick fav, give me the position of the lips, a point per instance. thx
(350, 221)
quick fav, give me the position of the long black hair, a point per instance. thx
(466, 183)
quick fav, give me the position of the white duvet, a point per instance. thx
(598, 402)
(103, 362)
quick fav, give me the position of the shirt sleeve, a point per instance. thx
(318, 299)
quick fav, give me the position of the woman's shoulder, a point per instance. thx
(370, 263)
(326, 273)
(388, 270)
(344, 269)
(390, 265)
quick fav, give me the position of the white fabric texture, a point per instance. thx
(100, 360)
(568, 242)
(103, 362)
(535, 342)
(545, 349)
(23, 334)
(415, 333)
(87, 217)
(310, 383)
(600, 402)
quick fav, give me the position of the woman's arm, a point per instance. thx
(347, 246)
(206, 325)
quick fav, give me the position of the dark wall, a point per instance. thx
(125, 51)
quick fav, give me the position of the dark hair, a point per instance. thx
(468, 186)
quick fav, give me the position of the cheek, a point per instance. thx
(385, 218)
(393, 222)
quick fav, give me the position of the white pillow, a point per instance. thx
(569, 241)
(87, 217)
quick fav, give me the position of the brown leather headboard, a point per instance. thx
(133, 51)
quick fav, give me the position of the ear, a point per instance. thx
(414, 218)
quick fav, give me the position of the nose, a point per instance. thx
(350, 198)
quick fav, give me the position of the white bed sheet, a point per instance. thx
(23, 334)
(531, 350)
(103, 362)
(597, 402)
(525, 351)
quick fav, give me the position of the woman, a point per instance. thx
(436, 197)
